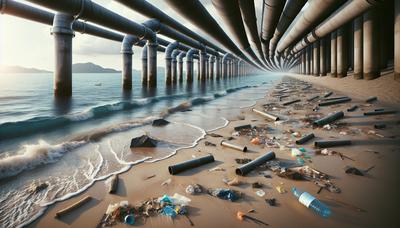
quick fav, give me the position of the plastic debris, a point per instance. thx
(166, 182)
(296, 152)
(311, 202)
(327, 127)
(353, 170)
(233, 182)
(225, 193)
(194, 189)
(271, 202)
(255, 141)
(260, 193)
(129, 219)
(241, 216)
(280, 189)
(169, 211)
(216, 169)
(207, 143)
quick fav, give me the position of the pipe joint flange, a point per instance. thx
(62, 24)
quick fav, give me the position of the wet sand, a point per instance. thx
(377, 192)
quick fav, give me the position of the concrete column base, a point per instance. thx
(371, 75)
(358, 76)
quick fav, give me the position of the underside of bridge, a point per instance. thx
(339, 38)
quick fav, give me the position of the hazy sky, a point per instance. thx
(30, 44)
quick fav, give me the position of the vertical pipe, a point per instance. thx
(203, 66)
(333, 54)
(218, 66)
(371, 44)
(207, 66)
(322, 59)
(307, 58)
(358, 47)
(174, 66)
(212, 61)
(63, 34)
(144, 66)
(304, 60)
(168, 70)
(316, 58)
(198, 68)
(180, 67)
(127, 71)
(397, 40)
(152, 63)
(341, 49)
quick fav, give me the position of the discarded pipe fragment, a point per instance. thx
(338, 101)
(379, 126)
(334, 98)
(305, 139)
(312, 98)
(329, 119)
(379, 109)
(291, 102)
(328, 94)
(352, 108)
(268, 115)
(246, 168)
(113, 184)
(233, 146)
(379, 113)
(371, 99)
(238, 128)
(331, 143)
(73, 206)
(183, 166)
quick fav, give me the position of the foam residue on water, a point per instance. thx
(72, 166)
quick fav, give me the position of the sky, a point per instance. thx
(30, 44)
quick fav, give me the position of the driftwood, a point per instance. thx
(73, 206)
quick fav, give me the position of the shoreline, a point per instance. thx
(204, 209)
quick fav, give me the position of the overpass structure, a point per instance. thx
(359, 38)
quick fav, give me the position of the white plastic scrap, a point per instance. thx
(260, 193)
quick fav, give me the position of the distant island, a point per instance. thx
(91, 68)
(18, 69)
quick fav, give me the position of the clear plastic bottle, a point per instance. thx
(311, 202)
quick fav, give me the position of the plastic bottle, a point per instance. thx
(311, 202)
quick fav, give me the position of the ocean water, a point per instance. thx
(68, 144)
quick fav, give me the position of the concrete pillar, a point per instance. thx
(371, 52)
(180, 66)
(174, 66)
(342, 49)
(218, 67)
(203, 65)
(152, 63)
(397, 40)
(322, 59)
(168, 70)
(307, 58)
(212, 61)
(189, 70)
(334, 54)
(224, 69)
(207, 66)
(316, 58)
(358, 47)
(144, 66)
(63, 34)
(127, 71)
(198, 69)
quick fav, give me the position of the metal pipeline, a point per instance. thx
(291, 102)
(174, 66)
(144, 66)
(127, 52)
(183, 166)
(180, 66)
(316, 11)
(329, 119)
(168, 61)
(349, 11)
(212, 61)
(268, 115)
(189, 64)
(337, 101)
(305, 139)
(331, 143)
(248, 167)
(272, 12)
(196, 13)
(292, 8)
(379, 113)
(352, 108)
(233, 146)
(225, 65)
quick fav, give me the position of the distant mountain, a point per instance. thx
(18, 69)
(91, 68)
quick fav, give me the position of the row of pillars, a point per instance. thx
(365, 46)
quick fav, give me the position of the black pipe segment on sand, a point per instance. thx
(328, 94)
(379, 126)
(313, 98)
(331, 143)
(291, 102)
(329, 119)
(352, 108)
(248, 167)
(305, 139)
(374, 113)
(334, 98)
(371, 99)
(326, 103)
(242, 127)
(183, 166)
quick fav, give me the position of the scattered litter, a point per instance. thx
(296, 134)
(129, 219)
(327, 127)
(149, 177)
(353, 170)
(296, 152)
(143, 141)
(271, 202)
(194, 189)
(215, 135)
(311, 202)
(225, 193)
(280, 189)
(166, 182)
(38, 188)
(371, 99)
(242, 127)
(242, 160)
(190, 164)
(255, 141)
(260, 193)
(216, 169)
(232, 182)
(251, 211)
(207, 143)
(257, 185)
(241, 216)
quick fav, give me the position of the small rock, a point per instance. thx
(160, 122)
(353, 170)
(257, 185)
(271, 202)
(143, 141)
(207, 143)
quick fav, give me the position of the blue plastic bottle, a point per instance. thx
(311, 202)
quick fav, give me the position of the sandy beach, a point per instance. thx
(376, 192)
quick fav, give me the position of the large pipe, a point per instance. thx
(196, 13)
(63, 33)
(316, 10)
(342, 49)
(334, 54)
(174, 66)
(316, 58)
(397, 40)
(225, 65)
(248, 167)
(371, 45)
(212, 61)
(144, 66)
(231, 15)
(180, 66)
(339, 18)
(189, 64)
(168, 61)
(358, 48)
(322, 60)
(272, 10)
(127, 52)
(218, 67)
